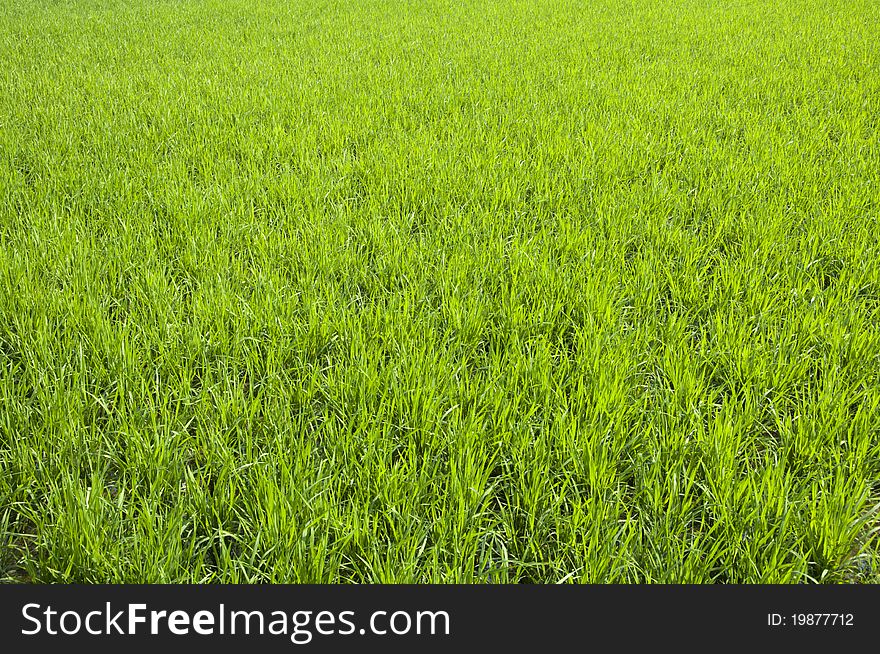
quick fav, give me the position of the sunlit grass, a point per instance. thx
(472, 291)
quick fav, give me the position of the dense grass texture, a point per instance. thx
(439, 291)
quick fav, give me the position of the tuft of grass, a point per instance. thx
(484, 291)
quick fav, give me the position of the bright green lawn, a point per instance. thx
(447, 290)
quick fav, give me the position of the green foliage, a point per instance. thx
(456, 291)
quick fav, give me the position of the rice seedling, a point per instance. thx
(493, 291)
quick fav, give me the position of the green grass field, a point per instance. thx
(447, 291)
